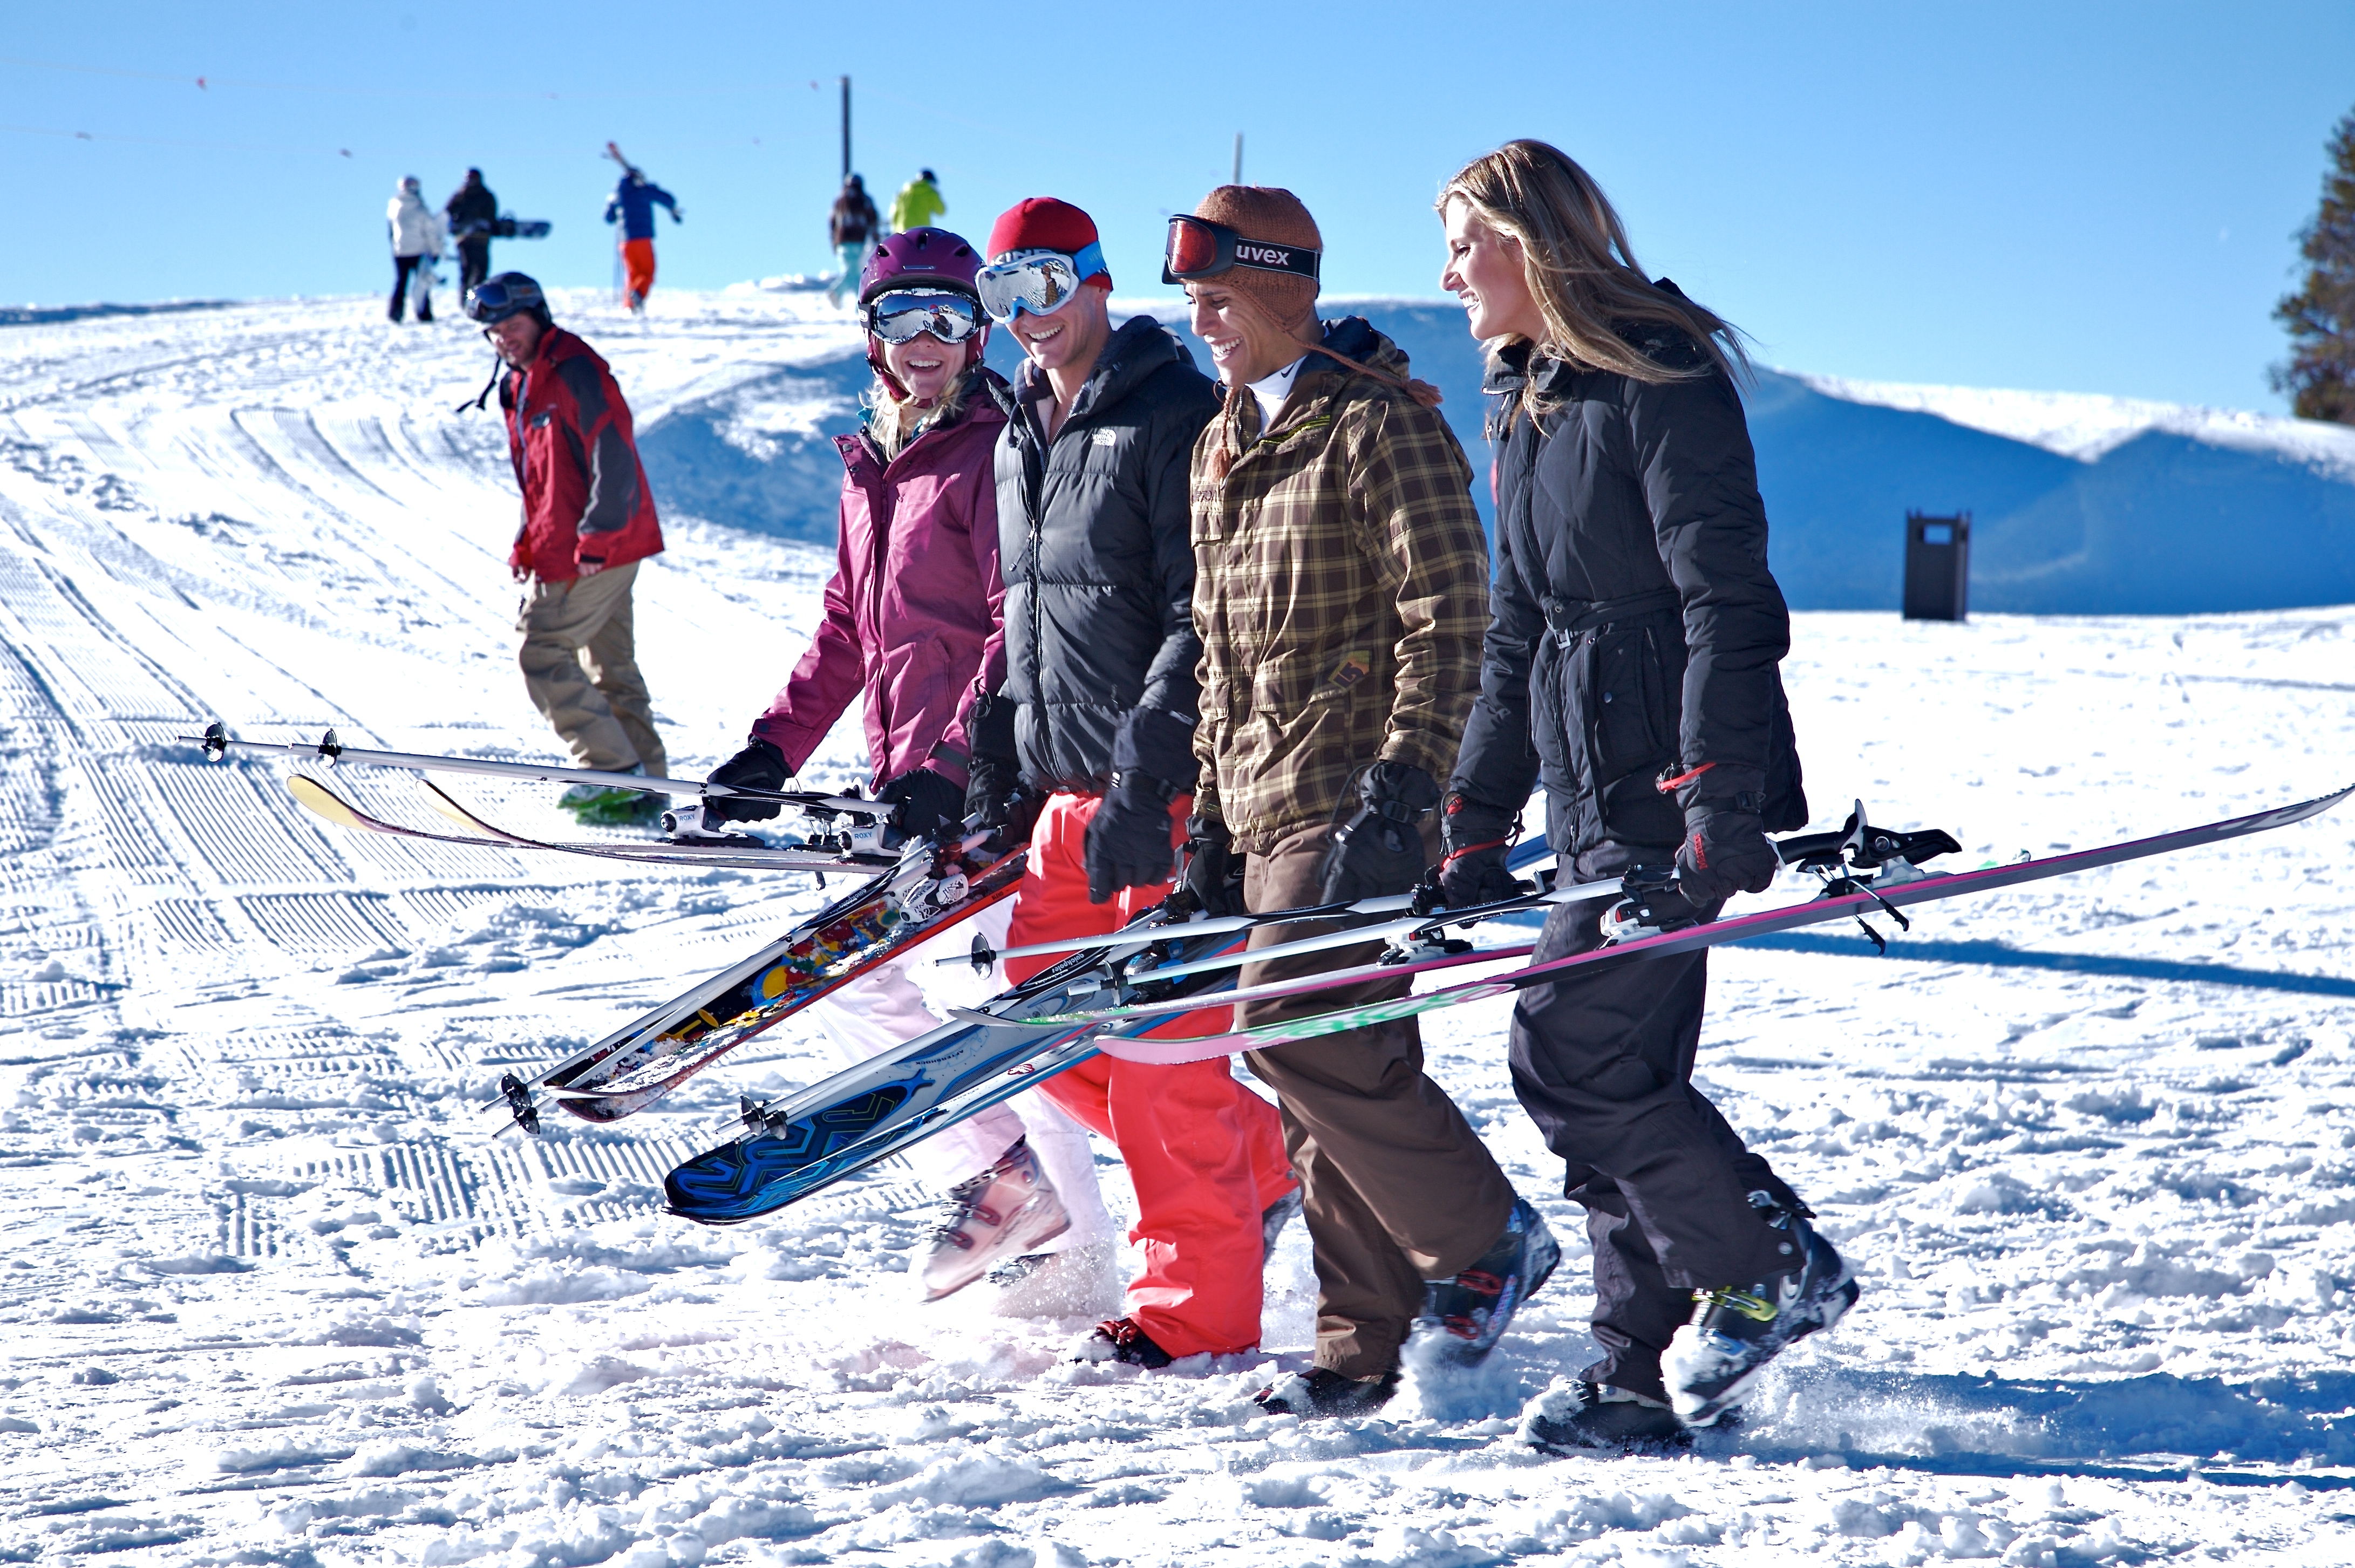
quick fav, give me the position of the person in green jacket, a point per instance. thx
(919, 203)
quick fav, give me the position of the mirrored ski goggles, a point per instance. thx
(1199, 248)
(903, 315)
(494, 300)
(1040, 282)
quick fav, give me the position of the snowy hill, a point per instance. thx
(2081, 504)
(274, 1292)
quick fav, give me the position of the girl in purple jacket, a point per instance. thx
(911, 624)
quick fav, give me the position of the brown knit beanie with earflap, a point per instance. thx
(1265, 212)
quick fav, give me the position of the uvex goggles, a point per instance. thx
(1040, 282)
(1199, 248)
(903, 313)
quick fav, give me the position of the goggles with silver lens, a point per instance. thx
(903, 314)
(1199, 248)
(1040, 282)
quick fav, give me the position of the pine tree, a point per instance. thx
(2320, 373)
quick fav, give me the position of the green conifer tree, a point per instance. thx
(2320, 374)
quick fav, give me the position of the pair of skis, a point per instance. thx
(902, 899)
(1100, 999)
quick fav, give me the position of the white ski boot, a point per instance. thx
(992, 1217)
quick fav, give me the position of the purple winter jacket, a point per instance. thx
(913, 610)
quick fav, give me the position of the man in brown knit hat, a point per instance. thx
(1341, 594)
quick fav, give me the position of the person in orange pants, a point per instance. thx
(1205, 1153)
(638, 269)
(1085, 724)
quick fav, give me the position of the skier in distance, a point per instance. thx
(588, 520)
(911, 621)
(1338, 569)
(918, 203)
(632, 204)
(1631, 662)
(416, 236)
(850, 229)
(1085, 749)
(472, 209)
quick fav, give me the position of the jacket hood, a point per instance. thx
(1137, 347)
(1355, 338)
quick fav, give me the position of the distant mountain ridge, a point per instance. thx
(2081, 504)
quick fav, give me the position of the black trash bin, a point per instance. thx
(1937, 566)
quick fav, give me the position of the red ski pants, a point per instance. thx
(1205, 1154)
(638, 265)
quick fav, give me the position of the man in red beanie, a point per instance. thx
(1084, 744)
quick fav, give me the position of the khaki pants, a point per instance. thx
(580, 666)
(1397, 1185)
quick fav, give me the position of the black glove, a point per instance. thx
(928, 804)
(1478, 838)
(1213, 872)
(758, 766)
(1380, 851)
(1725, 849)
(994, 790)
(1128, 839)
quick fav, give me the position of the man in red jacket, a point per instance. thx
(588, 520)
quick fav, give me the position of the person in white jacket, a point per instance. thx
(416, 230)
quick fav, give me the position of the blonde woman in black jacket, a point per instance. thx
(1630, 663)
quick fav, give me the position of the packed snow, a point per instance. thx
(277, 1290)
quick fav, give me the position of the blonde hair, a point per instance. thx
(895, 421)
(1580, 268)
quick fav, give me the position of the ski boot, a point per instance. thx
(1737, 1329)
(991, 1218)
(1272, 1221)
(1583, 1416)
(1120, 1339)
(1474, 1309)
(1321, 1391)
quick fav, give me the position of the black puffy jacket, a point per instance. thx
(472, 209)
(1633, 626)
(1095, 540)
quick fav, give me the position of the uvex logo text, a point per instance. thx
(1268, 255)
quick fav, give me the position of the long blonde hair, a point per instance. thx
(895, 421)
(1580, 268)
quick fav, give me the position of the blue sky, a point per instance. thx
(2058, 195)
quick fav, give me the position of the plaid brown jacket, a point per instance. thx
(1340, 591)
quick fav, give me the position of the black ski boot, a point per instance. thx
(1473, 1310)
(1737, 1329)
(1120, 1339)
(1586, 1415)
(1324, 1393)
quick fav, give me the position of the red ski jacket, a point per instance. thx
(912, 614)
(584, 492)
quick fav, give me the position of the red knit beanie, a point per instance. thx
(1278, 216)
(1043, 223)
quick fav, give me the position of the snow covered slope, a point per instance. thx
(274, 1293)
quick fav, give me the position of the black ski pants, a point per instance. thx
(474, 266)
(1604, 1063)
(403, 267)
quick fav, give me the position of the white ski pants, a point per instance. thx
(887, 1006)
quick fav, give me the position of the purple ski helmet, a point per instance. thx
(919, 258)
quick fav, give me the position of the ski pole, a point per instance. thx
(217, 743)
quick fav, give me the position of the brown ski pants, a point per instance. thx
(580, 662)
(1397, 1185)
